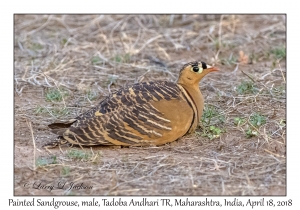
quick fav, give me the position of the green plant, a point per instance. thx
(210, 114)
(43, 161)
(55, 95)
(92, 95)
(250, 133)
(278, 90)
(60, 111)
(239, 121)
(279, 52)
(251, 127)
(40, 110)
(52, 111)
(247, 87)
(78, 154)
(122, 58)
(36, 46)
(257, 120)
(96, 60)
(65, 171)
(210, 118)
(213, 132)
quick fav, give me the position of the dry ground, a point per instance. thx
(65, 64)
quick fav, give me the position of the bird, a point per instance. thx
(145, 113)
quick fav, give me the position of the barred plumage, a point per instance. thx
(148, 113)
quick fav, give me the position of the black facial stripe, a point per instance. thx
(204, 65)
(194, 64)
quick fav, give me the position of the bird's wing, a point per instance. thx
(124, 118)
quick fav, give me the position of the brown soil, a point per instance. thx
(89, 56)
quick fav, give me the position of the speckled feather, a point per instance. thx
(123, 118)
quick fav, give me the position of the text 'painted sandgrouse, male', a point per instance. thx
(148, 113)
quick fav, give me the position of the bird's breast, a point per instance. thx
(180, 116)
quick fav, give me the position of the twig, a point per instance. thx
(249, 76)
(33, 141)
(220, 29)
(41, 27)
(274, 153)
(148, 42)
(281, 73)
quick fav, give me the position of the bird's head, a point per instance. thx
(192, 73)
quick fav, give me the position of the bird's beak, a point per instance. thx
(212, 68)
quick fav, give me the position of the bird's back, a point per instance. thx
(145, 113)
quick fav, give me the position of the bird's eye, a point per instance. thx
(195, 68)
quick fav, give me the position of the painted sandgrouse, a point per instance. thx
(148, 113)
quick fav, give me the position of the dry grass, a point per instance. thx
(65, 64)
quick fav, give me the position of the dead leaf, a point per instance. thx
(243, 59)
